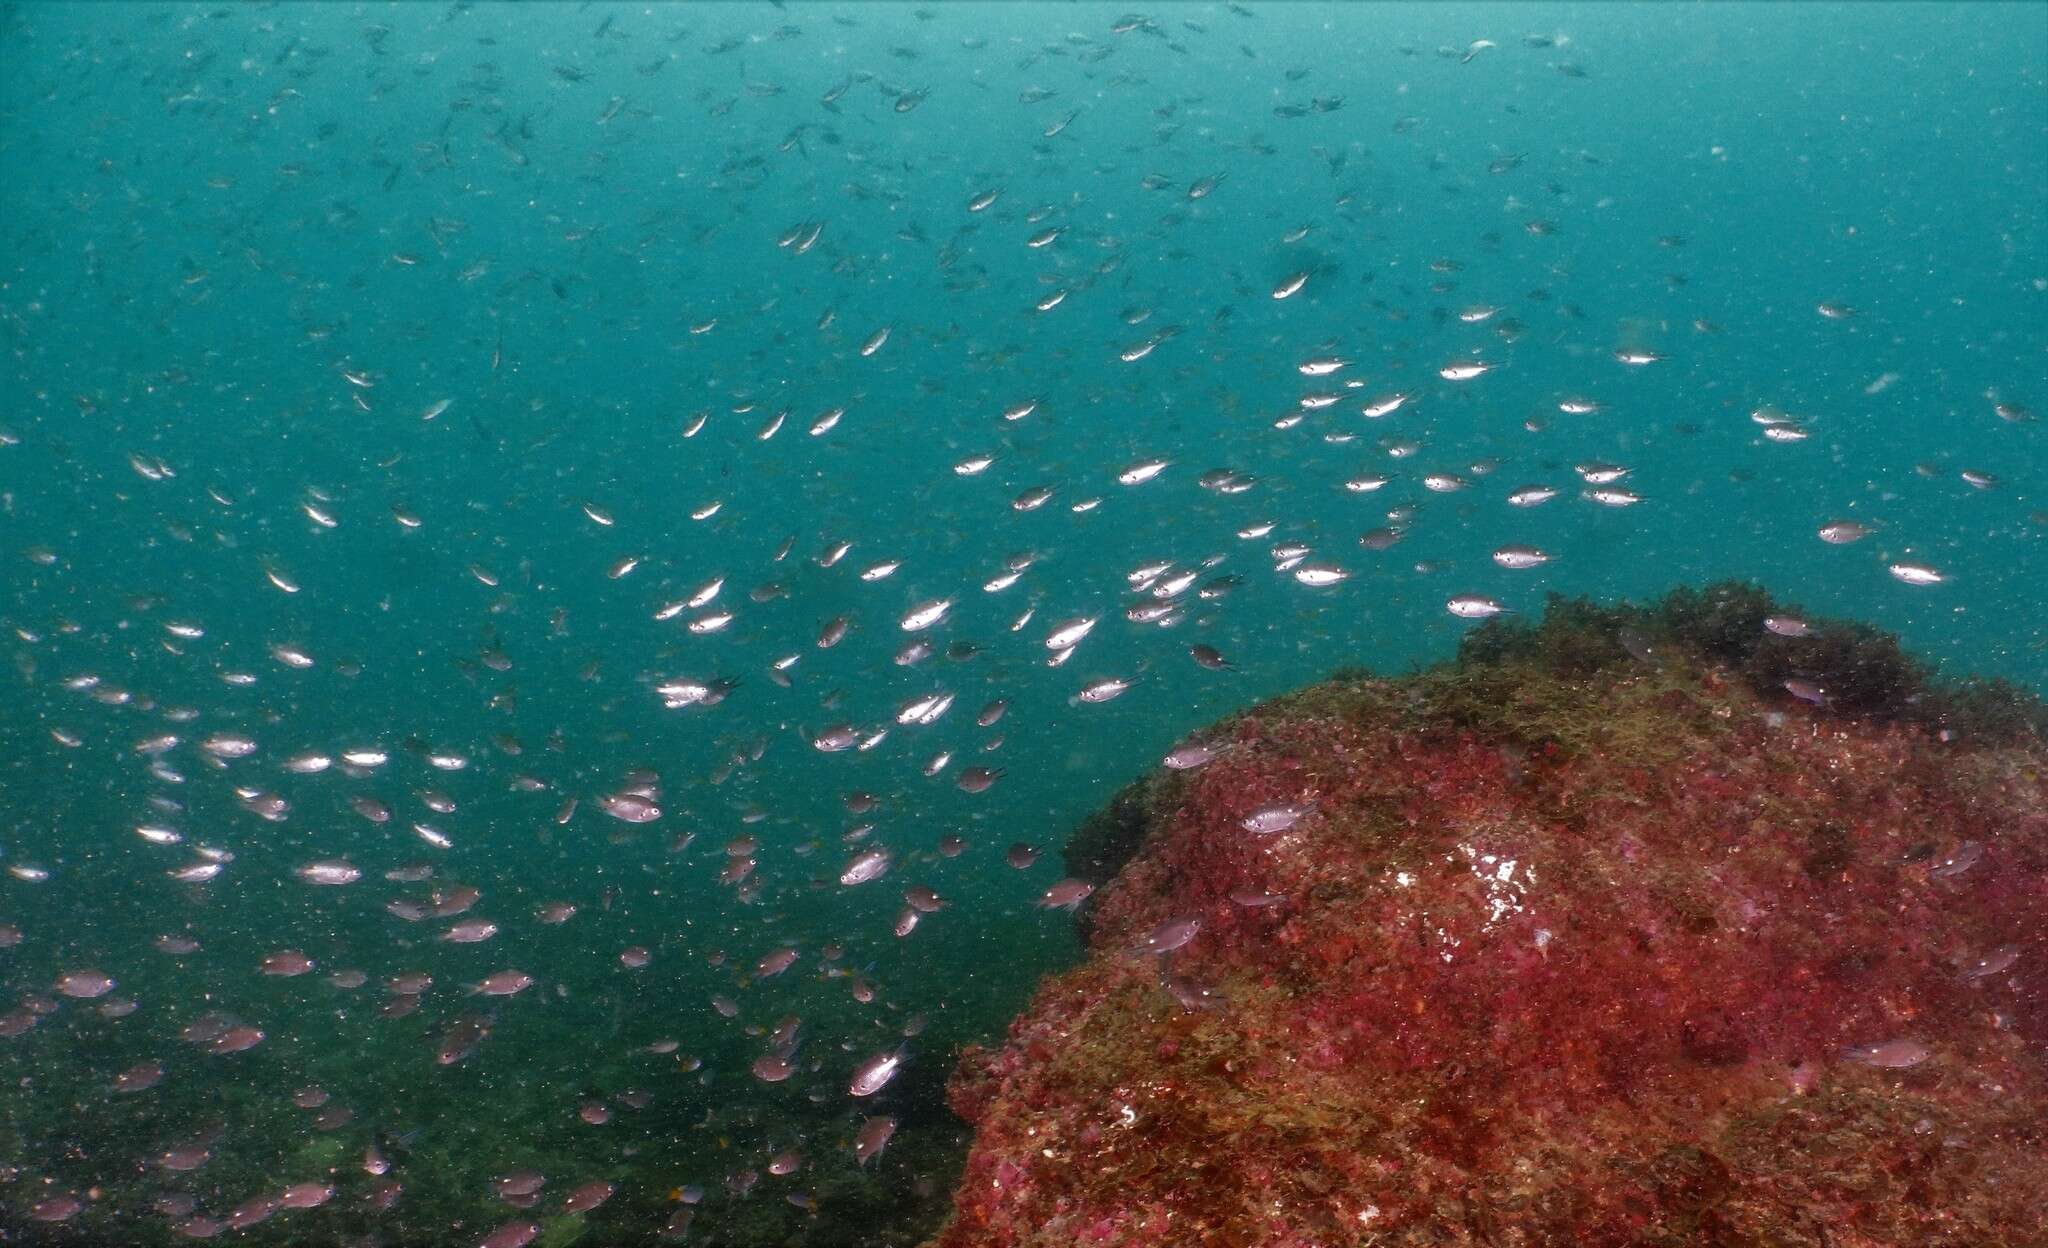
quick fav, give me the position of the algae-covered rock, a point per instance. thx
(1105, 841)
(1641, 926)
(317, 1157)
(561, 1230)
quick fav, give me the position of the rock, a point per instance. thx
(1599, 936)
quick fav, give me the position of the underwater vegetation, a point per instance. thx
(1599, 935)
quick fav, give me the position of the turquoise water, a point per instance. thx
(249, 249)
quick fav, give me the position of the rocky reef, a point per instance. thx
(1686, 924)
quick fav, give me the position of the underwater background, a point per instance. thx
(387, 385)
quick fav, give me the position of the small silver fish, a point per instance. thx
(1474, 607)
(1142, 471)
(870, 864)
(1520, 557)
(1532, 495)
(874, 1074)
(1065, 895)
(872, 1138)
(1170, 935)
(925, 614)
(1274, 818)
(1102, 690)
(1889, 1054)
(1069, 633)
(1917, 574)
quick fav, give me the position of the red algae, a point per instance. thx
(1570, 947)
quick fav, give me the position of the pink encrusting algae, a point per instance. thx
(1596, 937)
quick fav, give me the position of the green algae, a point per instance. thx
(561, 1230)
(317, 1157)
(1642, 721)
(1864, 672)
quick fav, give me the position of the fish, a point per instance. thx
(1474, 607)
(870, 864)
(1069, 633)
(461, 1038)
(84, 984)
(1190, 756)
(1897, 1054)
(874, 1073)
(1103, 690)
(925, 614)
(1995, 962)
(1171, 935)
(331, 872)
(1141, 471)
(1066, 894)
(1276, 817)
(629, 807)
(775, 962)
(977, 779)
(1806, 691)
(502, 984)
(872, 1137)
(588, 1196)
